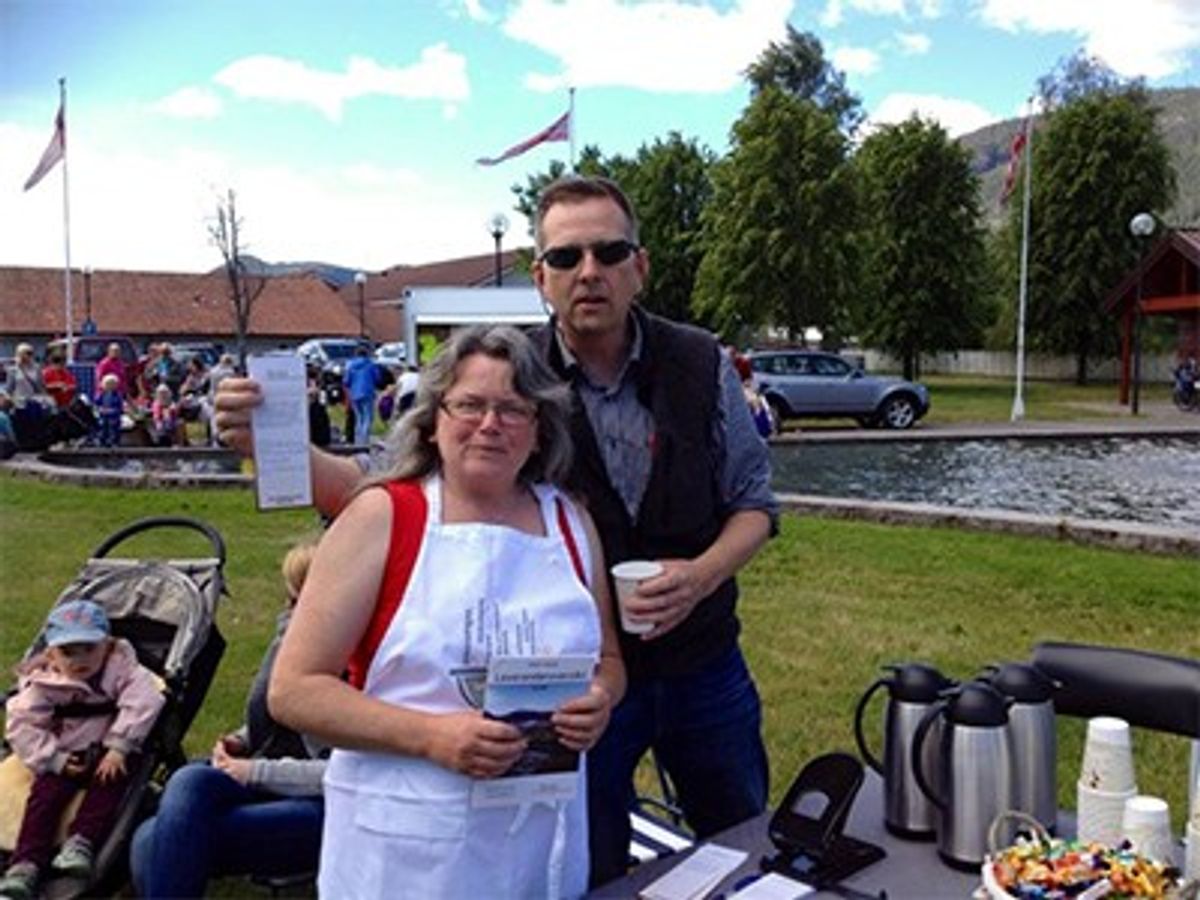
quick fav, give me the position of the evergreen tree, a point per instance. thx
(798, 67)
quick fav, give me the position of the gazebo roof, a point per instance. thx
(1168, 285)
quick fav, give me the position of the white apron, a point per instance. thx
(398, 826)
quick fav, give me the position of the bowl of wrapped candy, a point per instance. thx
(1071, 870)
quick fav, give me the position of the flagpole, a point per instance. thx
(62, 92)
(1018, 407)
(571, 126)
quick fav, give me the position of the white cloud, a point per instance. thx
(147, 209)
(913, 43)
(956, 116)
(664, 45)
(189, 103)
(476, 12)
(1151, 37)
(835, 10)
(440, 74)
(855, 60)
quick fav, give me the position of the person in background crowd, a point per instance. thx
(759, 410)
(110, 406)
(360, 382)
(25, 383)
(58, 380)
(193, 390)
(255, 808)
(165, 424)
(224, 368)
(168, 369)
(8, 437)
(112, 364)
(406, 389)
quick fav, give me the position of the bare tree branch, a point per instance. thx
(243, 288)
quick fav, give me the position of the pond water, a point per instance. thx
(1152, 480)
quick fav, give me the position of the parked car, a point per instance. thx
(392, 355)
(330, 356)
(209, 353)
(91, 348)
(813, 383)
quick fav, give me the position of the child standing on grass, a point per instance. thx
(82, 666)
(109, 407)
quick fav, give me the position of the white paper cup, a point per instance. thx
(1191, 860)
(1146, 824)
(627, 576)
(1098, 814)
(1108, 755)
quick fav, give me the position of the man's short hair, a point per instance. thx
(576, 189)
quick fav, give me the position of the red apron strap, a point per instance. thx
(409, 512)
(564, 525)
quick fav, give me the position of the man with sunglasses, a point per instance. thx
(673, 470)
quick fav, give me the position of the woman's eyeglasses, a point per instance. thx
(473, 410)
(607, 253)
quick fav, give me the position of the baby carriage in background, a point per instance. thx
(166, 609)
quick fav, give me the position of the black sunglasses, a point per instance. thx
(607, 253)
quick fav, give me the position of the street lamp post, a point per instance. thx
(1141, 226)
(497, 225)
(360, 279)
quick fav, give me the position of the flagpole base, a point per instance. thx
(1018, 410)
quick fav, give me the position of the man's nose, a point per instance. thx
(589, 266)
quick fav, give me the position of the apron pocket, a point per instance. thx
(404, 817)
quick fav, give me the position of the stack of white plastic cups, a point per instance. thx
(1105, 782)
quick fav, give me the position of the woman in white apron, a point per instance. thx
(465, 553)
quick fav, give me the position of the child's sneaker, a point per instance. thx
(75, 857)
(19, 881)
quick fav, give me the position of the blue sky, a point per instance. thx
(349, 130)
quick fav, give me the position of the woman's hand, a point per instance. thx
(581, 721)
(235, 767)
(467, 742)
(111, 766)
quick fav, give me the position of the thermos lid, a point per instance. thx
(1023, 682)
(977, 703)
(917, 682)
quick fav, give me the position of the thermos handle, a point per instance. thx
(918, 744)
(858, 726)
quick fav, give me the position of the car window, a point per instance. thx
(339, 351)
(796, 365)
(831, 365)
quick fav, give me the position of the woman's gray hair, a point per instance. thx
(410, 444)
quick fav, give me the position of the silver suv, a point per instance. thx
(811, 383)
(329, 357)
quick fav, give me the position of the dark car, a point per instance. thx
(813, 383)
(330, 356)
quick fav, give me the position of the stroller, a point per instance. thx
(166, 610)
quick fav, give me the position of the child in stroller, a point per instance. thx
(164, 608)
(83, 706)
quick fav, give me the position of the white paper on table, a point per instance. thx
(774, 886)
(695, 876)
(283, 469)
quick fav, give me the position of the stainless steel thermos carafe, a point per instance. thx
(971, 779)
(913, 688)
(1035, 739)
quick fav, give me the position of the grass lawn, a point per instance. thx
(823, 607)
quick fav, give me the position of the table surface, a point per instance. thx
(912, 870)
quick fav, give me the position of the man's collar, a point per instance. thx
(571, 362)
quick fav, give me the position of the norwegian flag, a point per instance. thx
(559, 130)
(55, 150)
(1020, 139)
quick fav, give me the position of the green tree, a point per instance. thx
(923, 243)
(669, 185)
(797, 66)
(1077, 76)
(779, 230)
(1098, 161)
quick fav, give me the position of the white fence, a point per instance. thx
(1156, 367)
